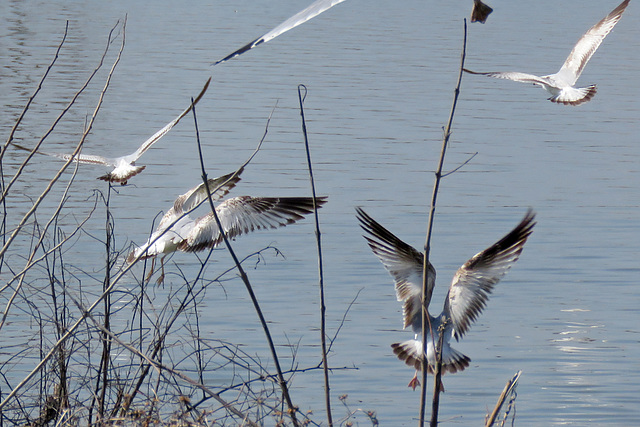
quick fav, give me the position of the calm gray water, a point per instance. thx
(380, 78)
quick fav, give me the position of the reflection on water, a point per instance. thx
(380, 83)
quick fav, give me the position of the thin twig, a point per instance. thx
(160, 367)
(444, 175)
(426, 323)
(32, 263)
(31, 211)
(245, 279)
(237, 172)
(3, 190)
(161, 336)
(65, 110)
(80, 144)
(33, 96)
(106, 341)
(323, 308)
(509, 388)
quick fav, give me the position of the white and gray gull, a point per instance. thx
(561, 85)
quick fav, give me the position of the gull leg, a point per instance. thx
(414, 381)
(153, 261)
(160, 280)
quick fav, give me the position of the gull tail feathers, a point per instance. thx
(574, 96)
(410, 352)
(122, 174)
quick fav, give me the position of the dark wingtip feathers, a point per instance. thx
(458, 363)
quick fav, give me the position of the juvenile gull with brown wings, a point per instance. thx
(467, 296)
(561, 84)
(124, 167)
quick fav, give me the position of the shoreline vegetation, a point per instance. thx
(122, 357)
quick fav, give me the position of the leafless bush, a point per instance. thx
(102, 352)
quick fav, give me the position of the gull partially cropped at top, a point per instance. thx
(124, 167)
(238, 215)
(467, 296)
(311, 11)
(561, 85)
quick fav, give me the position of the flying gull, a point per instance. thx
(467, 296)
(561, 84)
(124, 167)
(238, 215)
(313, 10)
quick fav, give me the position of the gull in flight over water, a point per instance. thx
(561, 84)
(124, 167)
(313, 10)
(468, 293)
(238, 215)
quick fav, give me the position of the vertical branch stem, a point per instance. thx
(245, 279)
(106, 340)
(323, 308)
(426, 325)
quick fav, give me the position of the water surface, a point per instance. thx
(380, 79)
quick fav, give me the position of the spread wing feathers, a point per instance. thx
(168, 242)
(574, 95)
(219, 187)
(81, 158)
(162, 132)
(245, 214)
(474, 281)
(512, 75)
(313, 10)
(589, 43)
(403, 262)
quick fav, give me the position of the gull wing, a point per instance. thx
(588, 44)
(244, 214)
(474, 281)
(80, 158)
(512, 75)
(313, 10)
(404, 263)
(219, 187)
(162, 132)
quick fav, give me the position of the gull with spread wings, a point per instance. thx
(468, 293)
(124, 167)
(561, 84)
(238, 215)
